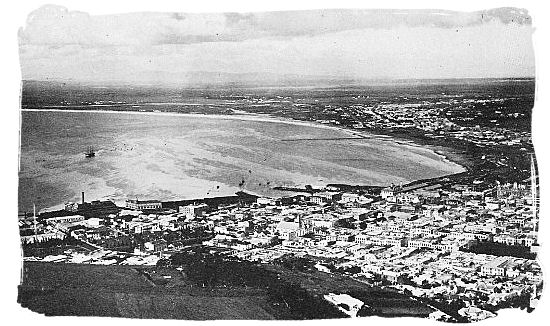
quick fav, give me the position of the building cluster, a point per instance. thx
(437, 120)
(444, 116)
(419, 240)
(100, 257)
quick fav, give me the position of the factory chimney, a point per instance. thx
(83, 198)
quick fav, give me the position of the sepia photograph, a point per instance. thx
(279, 164)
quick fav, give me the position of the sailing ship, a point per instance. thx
(90, 152)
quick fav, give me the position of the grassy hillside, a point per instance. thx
(123, 291)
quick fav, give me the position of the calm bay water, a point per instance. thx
(183, 156)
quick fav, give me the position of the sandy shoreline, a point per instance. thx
(198, 189)
(239, 116)
(446, 154)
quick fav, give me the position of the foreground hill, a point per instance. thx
(123, 291)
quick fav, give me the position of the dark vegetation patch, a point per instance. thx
(501, 249)
(201, 283)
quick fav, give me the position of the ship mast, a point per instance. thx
(90, 151)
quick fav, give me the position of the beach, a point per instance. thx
(170, 156)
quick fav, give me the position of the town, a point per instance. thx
(463, 245)
(466, 249)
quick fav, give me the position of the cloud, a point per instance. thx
(57, 43)
(178, 16)
(234, 19)
(53, 25)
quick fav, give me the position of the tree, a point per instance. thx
(163, 263)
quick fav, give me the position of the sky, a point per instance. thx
(57, 44)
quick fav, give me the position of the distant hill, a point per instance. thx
(201, 79)
(205, 78)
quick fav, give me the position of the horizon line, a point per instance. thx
(307, 79)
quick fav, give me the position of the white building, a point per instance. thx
(65, 219)
(387, 192)
(349, 197)
(143, 204)
(289, 230)
(496, 267)
(265, 201)
(193, 210)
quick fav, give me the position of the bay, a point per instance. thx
(179, 156)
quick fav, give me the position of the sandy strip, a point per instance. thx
(239, 116)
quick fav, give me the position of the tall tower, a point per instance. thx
(34, 217)
(534, 197)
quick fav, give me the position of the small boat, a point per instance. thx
(90, 152)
